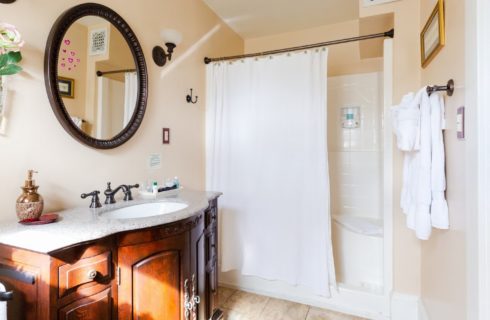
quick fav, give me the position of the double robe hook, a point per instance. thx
(189, 98)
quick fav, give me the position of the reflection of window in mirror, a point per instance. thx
(104, 104)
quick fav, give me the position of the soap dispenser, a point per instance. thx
(30, 203)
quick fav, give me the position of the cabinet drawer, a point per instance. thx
(92, 269)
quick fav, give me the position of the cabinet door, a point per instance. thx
(198, 290)
(23, 280)
(96, 307)
(152, 278)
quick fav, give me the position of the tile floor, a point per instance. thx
(239, 305)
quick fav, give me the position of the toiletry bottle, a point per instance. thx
(30, 203)
(155, 187)
(176, 182)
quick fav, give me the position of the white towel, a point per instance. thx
(77, 121)
(406, 125)
(3, 305)
(406, 122)
(421, 170)
(439, 211)
(424, 183)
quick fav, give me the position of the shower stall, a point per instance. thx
(360, 167)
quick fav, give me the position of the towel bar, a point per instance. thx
(449, 88)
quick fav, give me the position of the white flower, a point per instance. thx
(10, 38)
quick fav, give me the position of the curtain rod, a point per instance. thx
(101, 73)
(390, 34)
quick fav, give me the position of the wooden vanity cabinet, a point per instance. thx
(163, 272)
(153, 274)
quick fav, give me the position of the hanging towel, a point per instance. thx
(3, 305)
(422, 197)
(439, 211)
(420, 189)
(406, 118)
(77, 121)
(406, 126)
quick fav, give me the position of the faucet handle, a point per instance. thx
(95, 203)
(127, 192)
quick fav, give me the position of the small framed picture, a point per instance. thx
(433, 37)
(66, 87)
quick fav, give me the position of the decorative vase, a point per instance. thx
(29, 204)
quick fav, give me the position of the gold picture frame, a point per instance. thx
(66, 87)
(433, 35)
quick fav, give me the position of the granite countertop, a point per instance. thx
(82, 224)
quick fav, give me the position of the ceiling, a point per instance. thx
(258, 18)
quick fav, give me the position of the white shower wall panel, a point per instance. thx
(355, 155)
(356, 177)
(356, 183)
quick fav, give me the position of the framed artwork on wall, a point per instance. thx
(433, 36)
(66, 87)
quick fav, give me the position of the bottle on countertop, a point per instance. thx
(176, 182)
(29, 204)
(154, 187)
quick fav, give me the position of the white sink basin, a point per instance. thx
(144, 210)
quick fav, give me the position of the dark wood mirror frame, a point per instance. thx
(53, 45)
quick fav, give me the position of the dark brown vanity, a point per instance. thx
(163, 272)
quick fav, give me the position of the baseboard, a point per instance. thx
(423, 315)
(346, 300)
(407, 307)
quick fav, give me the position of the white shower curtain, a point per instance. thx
(130, 92)
(266, 150)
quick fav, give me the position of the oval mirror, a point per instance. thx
(95, 75)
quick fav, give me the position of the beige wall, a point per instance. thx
(443, 256)
(342, 59)
(406, 78)
(345, 59)
(36, 140)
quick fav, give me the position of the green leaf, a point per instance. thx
(3, 59)
(9, 69)
(14, 57)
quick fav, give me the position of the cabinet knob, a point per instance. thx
(92, 274)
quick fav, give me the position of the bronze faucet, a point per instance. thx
(109, 193)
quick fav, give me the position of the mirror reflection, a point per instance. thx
(97, 77)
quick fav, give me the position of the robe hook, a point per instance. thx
(189, 98)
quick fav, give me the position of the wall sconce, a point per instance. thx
(7, 1)
(171, 38)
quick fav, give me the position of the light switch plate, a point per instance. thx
(155, 161)
(166, 136)
(460, 123)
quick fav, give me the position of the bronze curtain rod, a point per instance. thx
(101, 73)
(390, 34)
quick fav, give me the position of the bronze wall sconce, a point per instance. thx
(171, 38)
